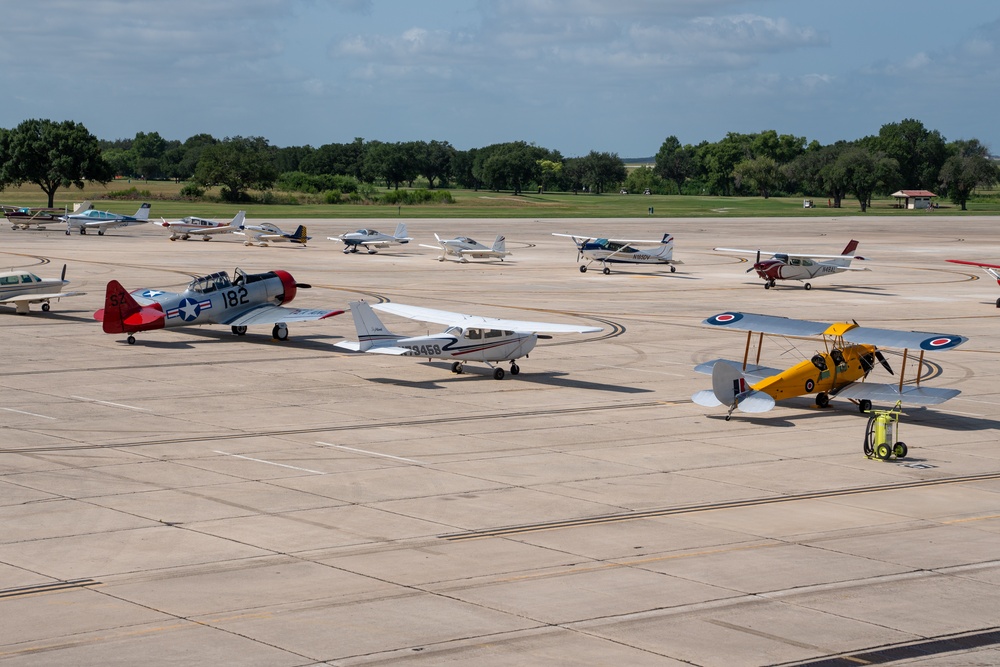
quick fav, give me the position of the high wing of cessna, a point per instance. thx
(840, 369)
(25, 217)
(372, 240)
(90, 219)
(465, 248)
(991, 269)
(23, 289)
(191, 226)
(622, 251)
(801, 267)
(265, 233)
(248, 299)
(468, 338)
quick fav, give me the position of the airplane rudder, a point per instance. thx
(118, 304)
(851, 247)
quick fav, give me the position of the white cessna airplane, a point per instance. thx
(23, 289)
(264, 233)
(372, 240)
(190, 226)
(467, 338)
(465, 248)
(90, 219)
(622, 251)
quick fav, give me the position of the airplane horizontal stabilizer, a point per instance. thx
(753, 372)
(706, 398)
(755, 401)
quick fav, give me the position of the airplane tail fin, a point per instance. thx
(730, 388)
(300, 235)
(401, 231)
(122, 313)
(666, 249)
(142, 213)
(500, 245)
(849, 250)
(238, 220)
(370, 329)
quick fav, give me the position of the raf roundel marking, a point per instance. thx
(940, 343)
(809, 385)
(725, 318)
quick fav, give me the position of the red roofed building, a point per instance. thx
(913, 198)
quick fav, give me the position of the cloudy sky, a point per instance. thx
(571, 75)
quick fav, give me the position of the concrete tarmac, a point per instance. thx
(199, 498)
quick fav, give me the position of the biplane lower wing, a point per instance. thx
(889, 393)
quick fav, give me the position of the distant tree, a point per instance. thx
(919, 152)
(238, 164)
(646, 178)
(51, 155)
(508, 166)
(346, 159)
(760, 174)
(148, 150)
(812, 173)
(601, 170)
(392, 163)
(861, 172)
(549, 173)
(290, 158)
(968, 168)
(462, 169)
(434, 161)
(675, 162)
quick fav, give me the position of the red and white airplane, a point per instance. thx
(992, 269)
(248, 299)
(185, 228)
(797, 266)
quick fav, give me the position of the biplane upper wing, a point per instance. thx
(461, 320)
(922, 340)
(769, 324)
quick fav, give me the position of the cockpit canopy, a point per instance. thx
(211, 283)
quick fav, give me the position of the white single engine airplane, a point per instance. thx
(991, 269)
(190, 226)
(372, 240)
(23, 289)
(465, 248)
(248, 299)
(91, 219)
(622, 251)
(24, 217)
(801, 267)
(264, 233)
(467, 338)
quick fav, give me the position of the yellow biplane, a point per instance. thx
(840, 369)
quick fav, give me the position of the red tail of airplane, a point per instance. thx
(122, 313)
(851, 247)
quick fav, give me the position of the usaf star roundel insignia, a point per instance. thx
(188, 309)
(942, 342)
(152, 293)
(723, 319)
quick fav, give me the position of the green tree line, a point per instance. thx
(902, 155)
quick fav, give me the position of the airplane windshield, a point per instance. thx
(466, 239)
(781, 258)
(210, 283)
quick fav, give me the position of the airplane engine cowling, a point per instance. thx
(288, 286)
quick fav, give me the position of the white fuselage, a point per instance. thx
(470, 345)
(20, 283)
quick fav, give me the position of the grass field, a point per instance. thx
(485, 204)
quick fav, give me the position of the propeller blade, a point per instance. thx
(882, 360)
(755, 263)
(544, 337)
(303, 285)
(63, 276)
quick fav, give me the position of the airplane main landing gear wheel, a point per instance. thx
(823, 399)
(46, 307)
(456, 367)
(808, 286)
(498, 373)
(354, 248)
(514, 369)
(279, 332)
(767, 285)
(583, 269)
(607, 271)
(130, 340)
(673, 269)
(864, 405)
(100, 232)
(998, 303)
(240, 330)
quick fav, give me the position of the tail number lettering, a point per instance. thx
(236, 297)
(424, 350)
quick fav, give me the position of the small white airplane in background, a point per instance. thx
(263, 234)
(190, 226)
(465, 248)
(101, 221)
(622, 251)
(23, 289)
(467, 338)
(801, 267)
(372, 240)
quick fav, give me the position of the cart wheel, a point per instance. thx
(899, 449)
(883, 451)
